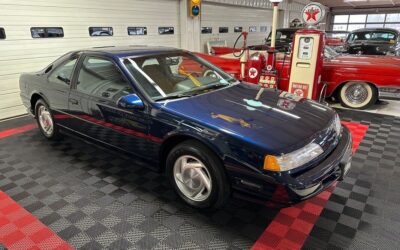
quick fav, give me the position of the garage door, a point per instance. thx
(216, 16)
(22, 53)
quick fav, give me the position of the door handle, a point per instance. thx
(73, 101)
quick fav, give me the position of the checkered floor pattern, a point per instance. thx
(93, 198)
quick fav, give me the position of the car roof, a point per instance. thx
(375, 29)
(130, 51)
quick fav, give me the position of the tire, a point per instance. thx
(189, 183)
(358, 95)
(45, 121)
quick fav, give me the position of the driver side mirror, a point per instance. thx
(131, 101)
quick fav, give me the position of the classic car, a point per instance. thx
(376, 41)
(336, 39)
(206, 132)
(284, 36)
(357, 81)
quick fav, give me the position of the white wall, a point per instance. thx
(21, 53)
(216, 16)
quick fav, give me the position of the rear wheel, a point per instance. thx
(358, 95)
(197, 175)
(45, 120)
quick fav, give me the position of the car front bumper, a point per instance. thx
(286, 189)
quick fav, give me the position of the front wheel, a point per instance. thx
(45, 120)
(358, 95)
(197, 175)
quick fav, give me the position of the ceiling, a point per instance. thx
(360, 3)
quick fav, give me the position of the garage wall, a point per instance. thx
(21, 53)
(231, 13)
(216, 15)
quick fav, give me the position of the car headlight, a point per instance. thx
(294, 159)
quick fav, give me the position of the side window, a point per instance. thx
(101, 77)
(63, 73)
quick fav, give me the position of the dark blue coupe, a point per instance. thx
(191, 120)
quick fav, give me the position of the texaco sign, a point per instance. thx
(313, 13)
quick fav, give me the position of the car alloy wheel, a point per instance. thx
(45, 120)
(192, 178)
(358, 95)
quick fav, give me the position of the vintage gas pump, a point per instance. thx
(308, 55)
(268, 76)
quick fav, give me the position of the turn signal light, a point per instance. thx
(271, 163)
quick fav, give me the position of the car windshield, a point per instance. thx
(383, 36)
(330, 53)
(175, 75)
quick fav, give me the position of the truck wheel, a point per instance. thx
(45, 120)
(358, 95)
(197, 175)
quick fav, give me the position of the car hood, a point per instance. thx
(282, 124)
(391, 64)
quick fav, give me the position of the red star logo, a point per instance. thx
(312, 14)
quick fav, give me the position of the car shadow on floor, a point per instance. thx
(79, 190)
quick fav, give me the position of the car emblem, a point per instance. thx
(253, 73)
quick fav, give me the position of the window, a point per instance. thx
(374, 25)
(2, 33)
(137, 31)
(47, 32)
(63, 73)
(340, 27)
(101, 31)
(101, 77)
(263, 29)
(352, 27)
(357, 18)
(376, 18)
(237, 29)
(175, 73)
(223, 29)
(206, 30)
(166, 30)
(253, 29)
(353, 22)
(393, 26)
(393, 18)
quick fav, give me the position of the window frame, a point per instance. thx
(237, 29)
(161, 30)
(78, 68)
(101, 27)
(137, 27)
(209, 30)
(46, 32)
(221, 30)
(3, 31)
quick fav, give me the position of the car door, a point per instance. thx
(59, 83)
(93, 104)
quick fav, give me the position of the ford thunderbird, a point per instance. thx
(206, 132)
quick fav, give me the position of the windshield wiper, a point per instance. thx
(212, 86)
(177, 96)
